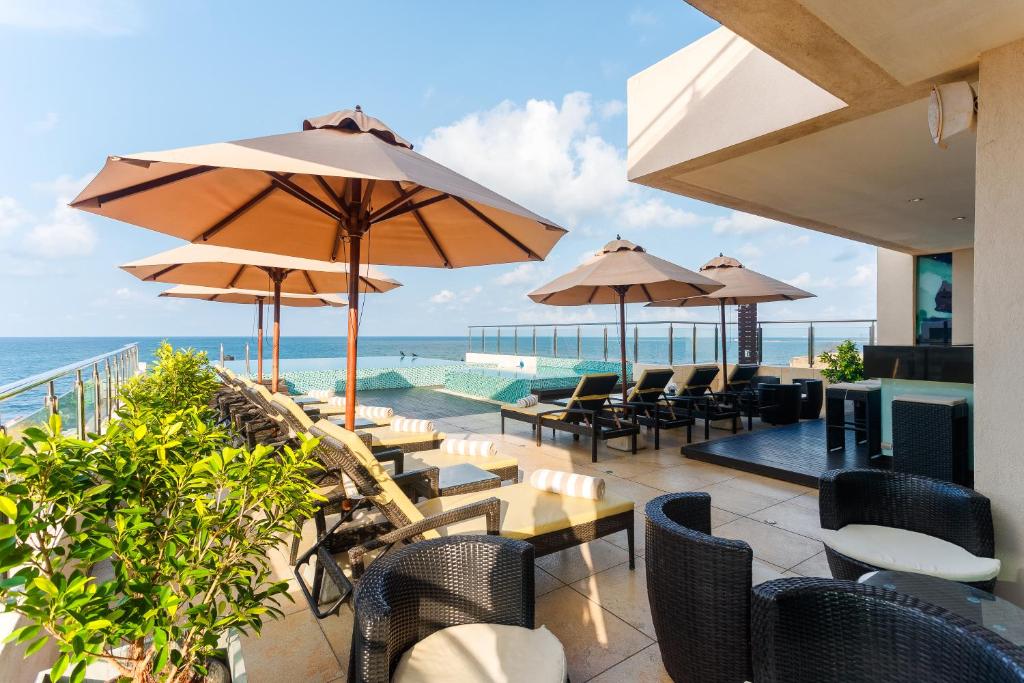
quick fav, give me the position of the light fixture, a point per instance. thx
(960, 218)
(952, 109)
(915, 200)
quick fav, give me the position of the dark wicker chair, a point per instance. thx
(778, 404)
(812, 396)
(699, 590)
(653, 410)
(813, 630)
(904, 501)
(701, 401)
(412, 592)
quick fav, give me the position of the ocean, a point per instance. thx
(22, 357)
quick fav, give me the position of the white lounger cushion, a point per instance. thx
(484, 652)
(909, 551)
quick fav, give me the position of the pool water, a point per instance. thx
(365, 363)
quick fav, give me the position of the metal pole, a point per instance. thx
(716, 342)
(636, 344)
(80, 405)
(725, 349)
(483, 343)
(622, 340)
(499, 340)
(515, 340)
(469, 340)
(535, 340)
(693, 343)
(810, 345)
(97, 396)
(110, 388)
(247, 359)
(606, 343)
(51, 398)
(554, 342)
(871, 335)
(579, 342)
(671, 343)
(760, 344)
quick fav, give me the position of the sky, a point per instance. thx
(527, 98)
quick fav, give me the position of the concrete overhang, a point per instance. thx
(814, 112)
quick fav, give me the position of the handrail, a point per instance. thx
(20, 386)
(669, 322)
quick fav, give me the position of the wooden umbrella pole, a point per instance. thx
(622, 336)
(276, 364)
(725, 363)
(355, 238)
(259, 339)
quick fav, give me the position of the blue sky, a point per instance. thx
(526, 97)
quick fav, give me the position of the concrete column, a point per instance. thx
(999, 306)
(895, 298)
(963, 296)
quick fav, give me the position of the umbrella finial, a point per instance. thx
(358, 108)
(618, 236)
(356, 121)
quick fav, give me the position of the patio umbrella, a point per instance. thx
(345, 179)
(223, 267)
(623, 273)
(742, 286)
(254, 296)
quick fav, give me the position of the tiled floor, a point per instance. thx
(587, 596)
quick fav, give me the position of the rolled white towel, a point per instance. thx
(467, 447)
(671, 388)
(320, 394)
(374, 412)
(526, 401)
(336, 401)
(568, 484)
(408, 424)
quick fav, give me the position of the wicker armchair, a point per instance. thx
(415, 591)
(927, 506)
(699, 590)
(812, 630)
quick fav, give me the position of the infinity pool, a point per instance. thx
(365, 363)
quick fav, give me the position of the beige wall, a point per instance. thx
(999, 307)
(963, 296)
(895, 295)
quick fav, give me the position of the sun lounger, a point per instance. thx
(696, 394)
(653, 410)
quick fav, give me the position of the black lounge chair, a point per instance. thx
(652, 408)
(698, 396)
(812, 630)
(699, 590)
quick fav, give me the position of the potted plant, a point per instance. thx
(845, 364)
(185, 521)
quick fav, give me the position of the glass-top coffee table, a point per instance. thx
(305, 400)
(997, 615)
(465, 478)
(360, 422)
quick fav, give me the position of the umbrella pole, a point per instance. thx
(725, 364)
(277, 333)
(259, 339)
(622, 337)
(353, 330)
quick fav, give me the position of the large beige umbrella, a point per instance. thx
(623, 273)
(742, 286)
(222, 267)
(226, 295)
(345, 179)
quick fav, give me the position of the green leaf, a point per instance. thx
(97, 624)
(140, 432)
(78, 675)
(8, 507)
(36, 646)
(7, 530)
(45, 585)
(59, 667)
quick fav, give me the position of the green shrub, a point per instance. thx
(844, 365)
(179, 379)
(187, 522)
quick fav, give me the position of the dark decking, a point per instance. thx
(794, 453)
(425, 403)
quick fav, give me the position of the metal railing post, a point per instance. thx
(693, 343)
(606, 343)
(515, 340)
(97, 397)
(760, 344)
(871, 335)
(247, 358)
(51, 398)
(483, 342)
(671, 343)
(498, 342)
(535, 340)
(579, 342)
(554, 341)
(636, 344)
(80, 405)
(716, 342)
(810, 345)
(110, 388)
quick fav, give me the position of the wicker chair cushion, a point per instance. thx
(527, 512)
(293, 409)
(530, 410)
(330, 409)
(419, 460)
(909, 551)
(484, 652)
(391, 494)
(385, 437)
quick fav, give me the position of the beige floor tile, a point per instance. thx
(639, 534)
(790, 516)
(544, 582)
(290, 649)
(675, 479)
(644, 666)
(777, 546)
(815, 566)
(767, 486)
(620, 466)
(727, 497)
(623, 592)
(720, 517)
(594, 639)
(630, 490)
(578, 562)
(337, 629)
(762, 571)
(807, 500)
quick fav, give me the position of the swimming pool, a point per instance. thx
(365, 362)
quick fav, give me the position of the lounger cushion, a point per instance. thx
(527, 512)
(292, 407)
(419, 460)
(531, 410)
(385, 437)
(909, 551)
(484, 652)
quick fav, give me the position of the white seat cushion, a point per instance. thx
(909, 551)
(484, 652)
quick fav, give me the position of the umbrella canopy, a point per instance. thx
(252, 296)
(742, 286)
(346, 179)
(622, 273)
(223, 267)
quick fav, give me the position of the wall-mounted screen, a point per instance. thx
(935, 299)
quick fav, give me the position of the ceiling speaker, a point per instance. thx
(952, 109)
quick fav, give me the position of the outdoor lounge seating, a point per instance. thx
(548, 521)
(696, 394)
(741, 377)
(875, 519)
(699, 591)
(653, 410)
(459, 609)
(813, 630)
(588, 412)
(812, 396)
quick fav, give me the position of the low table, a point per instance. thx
(305, 400)
(360, 422)
(1001, 617)
(465, 478)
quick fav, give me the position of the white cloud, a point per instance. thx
(550, 158)
(612, 108)
(845, 254)
(805, 280)
(97, 17)
(739, 223)
(47, 123)
(12, 216)
(524, 273)
(62, 232)
(443, 297)
(865, 274)
(749, 251)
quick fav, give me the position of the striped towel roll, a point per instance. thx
(336, 401)
(321, 394)
(568, 484)
(526, 401)
(467, 447)
(374, 412)
(408, 424)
